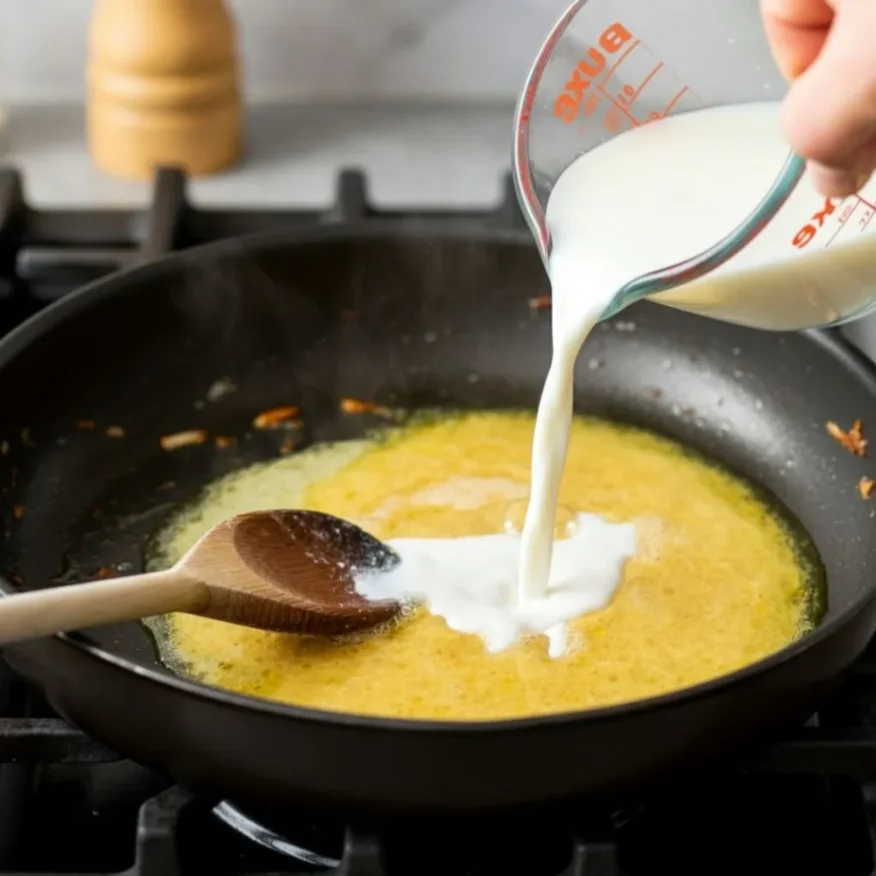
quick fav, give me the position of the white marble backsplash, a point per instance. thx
(310, 50)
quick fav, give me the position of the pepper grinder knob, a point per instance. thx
(163, 87)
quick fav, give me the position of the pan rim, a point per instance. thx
(117, 284)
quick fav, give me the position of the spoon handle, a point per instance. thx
(79, 606)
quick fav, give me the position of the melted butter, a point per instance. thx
(716, 582)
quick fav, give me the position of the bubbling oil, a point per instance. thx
(718, 580)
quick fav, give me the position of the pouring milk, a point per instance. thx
(655, 196)
(646, 199)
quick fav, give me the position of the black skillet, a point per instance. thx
(420, 319)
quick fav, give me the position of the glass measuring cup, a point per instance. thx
(609, 65)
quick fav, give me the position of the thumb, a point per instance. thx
(829, 114)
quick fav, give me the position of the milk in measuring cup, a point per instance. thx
(655, 196)
(663, 192)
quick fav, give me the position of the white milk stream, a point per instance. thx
(648, 198)
(658, 195)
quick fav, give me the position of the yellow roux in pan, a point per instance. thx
(717, 582)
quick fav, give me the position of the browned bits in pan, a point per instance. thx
(287, 446)
(853, 440)
(85, 424)
(115, 432)
(865, 487)
(222, 442)
(183, 439)
(540, 302)
(18, 512)
(103, 572)
(276, 417)
(355, 406)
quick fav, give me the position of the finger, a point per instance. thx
(835, 182)
(796, 31)
(829, 114)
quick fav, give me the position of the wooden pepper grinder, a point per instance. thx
(163, 86)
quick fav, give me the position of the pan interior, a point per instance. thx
(716, 583)
(414, 322)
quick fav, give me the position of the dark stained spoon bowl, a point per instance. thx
(284, 571)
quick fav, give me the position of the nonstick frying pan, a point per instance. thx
(417, 317)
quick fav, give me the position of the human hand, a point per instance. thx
(827, 48)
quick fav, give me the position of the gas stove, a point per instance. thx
(805, 805)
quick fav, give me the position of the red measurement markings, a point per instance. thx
(624, 94)
(619, 107)
(613, 120)
(618, 62)
(862, 210)
(675, 100)
(625, 108)
(645, 81)
(630, 93)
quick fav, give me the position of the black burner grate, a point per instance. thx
(763, 826)
(68, 805)
(51, 251)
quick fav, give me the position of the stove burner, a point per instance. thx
(268, 838)
(540, 845)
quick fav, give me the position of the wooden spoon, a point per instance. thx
(285, 571)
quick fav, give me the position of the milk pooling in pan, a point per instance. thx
(653, 197)
(471, 582)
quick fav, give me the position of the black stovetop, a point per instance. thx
(806, 806)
